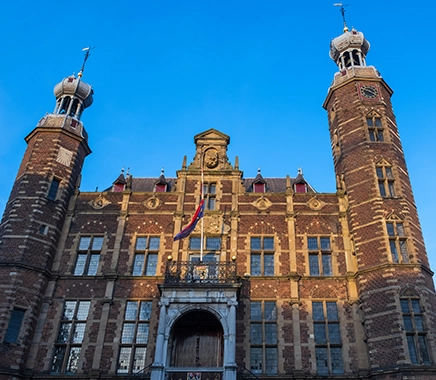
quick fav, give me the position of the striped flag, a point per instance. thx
(191, 226)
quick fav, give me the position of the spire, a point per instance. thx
(87, 54)
(73, 95)
(342, 10)
(349, 49)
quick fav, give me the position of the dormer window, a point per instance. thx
(300, 188)
(258, 187)
(160, 188)
(119, 187)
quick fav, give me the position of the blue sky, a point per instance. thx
(259, 71)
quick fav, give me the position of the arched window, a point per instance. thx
(74, 107)
(65, 104)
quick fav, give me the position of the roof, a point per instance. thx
(273, 185)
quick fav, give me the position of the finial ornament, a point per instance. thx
(343, 14)
(87, 54)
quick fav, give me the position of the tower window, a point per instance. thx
(88, 256)
(320, 256)
(328, 346)
(14, 326)
(146, 255)
(70, 337)
(262, 256)
(263, 337)
(375, 129)
(53, 190)
(386, 181)
(134, 337)
(413, 319)
(397, 242)
(64, 105)
(209, 193)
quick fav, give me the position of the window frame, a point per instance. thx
(385, 181)
(132, 328)
(265, 256)
(88, 259)
(53, 190)
(266, 340)
(398, 245)
(65, 346)
(325, 326)
(416, 333)
(145, 261)
(15, 325)
(320, 258)
(375, 127)
(210, 195)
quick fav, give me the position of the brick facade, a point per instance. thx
(318, 286)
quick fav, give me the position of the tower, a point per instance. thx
(394, 282)
(34, 216)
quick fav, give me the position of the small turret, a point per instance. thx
(72, 97)
(349, 49)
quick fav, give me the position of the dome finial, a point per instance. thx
(343, 14)
(87, 54)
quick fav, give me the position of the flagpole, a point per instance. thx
(202, 198)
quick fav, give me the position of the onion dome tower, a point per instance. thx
(389, 270)
(34, 217)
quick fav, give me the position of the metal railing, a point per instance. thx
(144, 373)
(244, 373)
(200, 272)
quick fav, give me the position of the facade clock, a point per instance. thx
(369, 92)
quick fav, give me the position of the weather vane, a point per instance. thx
(343, 14)
(87, 51)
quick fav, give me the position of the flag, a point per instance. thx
(191, 226)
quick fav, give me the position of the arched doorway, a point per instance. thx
(197, 342)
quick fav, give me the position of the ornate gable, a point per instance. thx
(211, 151)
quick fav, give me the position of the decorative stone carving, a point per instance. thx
(99, 202)
(262, 203)
(315, 204)
(213, 225)
(211, 158)
(152, 203)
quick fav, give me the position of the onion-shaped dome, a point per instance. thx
(72, 96)
(349, 49)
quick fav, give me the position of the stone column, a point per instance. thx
(158, 367)
(230, 366)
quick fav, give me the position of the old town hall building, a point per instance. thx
(276, 280)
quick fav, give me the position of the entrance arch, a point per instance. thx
(197, 340)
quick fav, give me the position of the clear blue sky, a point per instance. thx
(259, 71)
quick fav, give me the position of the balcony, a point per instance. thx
(200, 272)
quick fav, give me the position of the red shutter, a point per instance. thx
(259, 188)
(300, 188)
(118, 187)
(160, 188)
